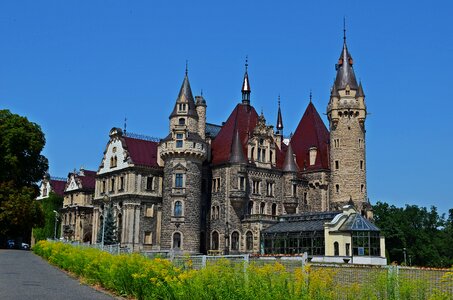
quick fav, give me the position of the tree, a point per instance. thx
(422, 235)
(49, 204)
(19, 211)
(21, 166)
(110, 236)
(21, 143)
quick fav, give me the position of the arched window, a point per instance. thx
(271, 156)
(177, 240)
(250, 208)
(336, 249)
(235, 241)
(249, 240)
(252, 154)
(178, 209)
(262, 208)
(182, 121)
(337, 188)
(215, 241)
(274, 209)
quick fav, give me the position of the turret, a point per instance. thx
(346, 112)
(200, 104)
(183, 151)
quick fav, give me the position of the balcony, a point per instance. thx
(259, 218)
(290, 205)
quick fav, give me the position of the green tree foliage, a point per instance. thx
(21, 166)
(110, 236)
(21, 143)
(49, 204)
(19, 212)
(426, 236)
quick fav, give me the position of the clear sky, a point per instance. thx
(78, 68)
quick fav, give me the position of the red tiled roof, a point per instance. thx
(142, 152)
(311, 132)
(280, 158)
(88, 179)
(243, 119)
(58, 186)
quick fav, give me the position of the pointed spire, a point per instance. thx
(310, 96)
(279, 118)
(185, 96)
(360, 92)
(345, 71)
(237, 154)
(246, 85)
(290, 165)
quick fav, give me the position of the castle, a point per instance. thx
(218, 188)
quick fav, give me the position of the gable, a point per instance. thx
(114, 157)
(72, 184)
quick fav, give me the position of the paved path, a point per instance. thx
(24, 275)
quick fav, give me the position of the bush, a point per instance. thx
(134, 275)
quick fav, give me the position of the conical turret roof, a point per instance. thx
(345, 72)
(290, 165)
(185, 96)
(360, 92)
(237, 154)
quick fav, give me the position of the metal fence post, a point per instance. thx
(203, 261)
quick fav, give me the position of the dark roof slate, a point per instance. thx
(185, 96)
(345, 71)
(301, 222)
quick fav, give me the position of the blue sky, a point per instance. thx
(78, 68)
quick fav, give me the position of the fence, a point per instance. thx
(112, 249)
(344, 274)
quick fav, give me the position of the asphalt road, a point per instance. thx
(24, 275)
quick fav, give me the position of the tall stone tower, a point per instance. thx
(183, 152)
(347, 113)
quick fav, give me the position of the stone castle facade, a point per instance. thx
(208, 188)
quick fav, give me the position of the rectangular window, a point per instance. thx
(179, 137)
(270, 189)
(179, 180)
(150, 183)
(112, 186)
(241, 183)
(148, 238)
(361, 165)
(337, 165)
(103, 186)
(256, 187)
(122, 183)
(294, 190)
(215, 185)
(149, 212)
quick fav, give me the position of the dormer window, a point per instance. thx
(182, 121)
(348, 92)
(313, 152)
(182, 107)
